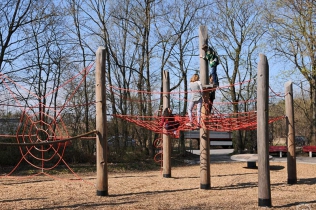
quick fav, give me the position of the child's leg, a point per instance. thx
(190, 108)
(198, 110)
(214, 74)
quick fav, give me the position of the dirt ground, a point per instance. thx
(233, 186)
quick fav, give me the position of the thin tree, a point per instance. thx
(14, 17)
(235, 32)
(178, 53)
(292, 32)
(45, 64)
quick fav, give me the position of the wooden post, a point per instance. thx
(101, 143)
(166, 154)
(264, 188)
(205, 171)
(289, 112)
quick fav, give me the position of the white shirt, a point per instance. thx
(196, 88)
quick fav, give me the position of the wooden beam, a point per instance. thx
(166, 138)
(289, 112)
(205, 174)
(101, 142)
(264, 188)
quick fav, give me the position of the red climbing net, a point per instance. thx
(215, 120)
(40, 123)
(41, 130)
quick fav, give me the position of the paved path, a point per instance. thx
(310, 160)
(224, 155)
(216, 155)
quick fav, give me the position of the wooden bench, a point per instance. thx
(279, 149)
(309, 149)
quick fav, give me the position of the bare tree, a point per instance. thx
(180, 20)
(25, 41)
(236, 28)
(78, 30)
(83, 55)
(293, 37)
(141, 25)
(121, 28)
(45, 64)
(14, 17)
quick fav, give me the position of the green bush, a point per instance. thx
(9, 155)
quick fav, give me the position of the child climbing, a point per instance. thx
(196, 99)
(168, 120)
(213, 61)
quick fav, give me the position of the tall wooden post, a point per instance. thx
(205, 171)
(264, 188)
(166, 138)
(289, 112)
(101, 143)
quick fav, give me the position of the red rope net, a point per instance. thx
(36, 125)
(214, 122)
(39, 124)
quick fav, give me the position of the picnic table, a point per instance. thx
(251, 159)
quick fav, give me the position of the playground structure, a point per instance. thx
(42, 135)
(264, 189)
(40, 128)
(264, 192)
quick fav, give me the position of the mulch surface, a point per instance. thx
(233, 186)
